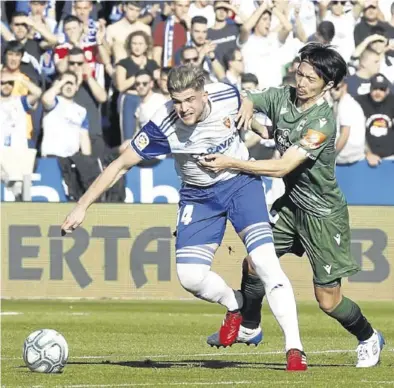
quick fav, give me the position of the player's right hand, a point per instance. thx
(245, 114)
(73, 220)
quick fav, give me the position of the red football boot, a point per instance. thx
(230, 327)
(296, 361)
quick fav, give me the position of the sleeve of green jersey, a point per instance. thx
(264, 100)
(316, 136)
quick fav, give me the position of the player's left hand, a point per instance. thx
(216, 162)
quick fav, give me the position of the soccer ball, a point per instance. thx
(45, 351)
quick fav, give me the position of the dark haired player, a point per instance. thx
(312, 216)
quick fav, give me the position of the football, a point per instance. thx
(45, 351)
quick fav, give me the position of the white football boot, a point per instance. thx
(368, 352)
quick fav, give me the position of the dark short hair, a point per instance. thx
(15, 47)
(185, 48)
(137, 4)
(249, 77)
(69, 72)
(325, 60)
(199, 20)
(71, 18)
(326, 30)
(18, 13)
(75, 51)
(143, 72)
(229, 56)
(165, 70)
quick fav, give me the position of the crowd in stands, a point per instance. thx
(79, 78)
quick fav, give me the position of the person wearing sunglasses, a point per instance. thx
(344, 23)
(65, 123)
(14, 109)
(149, 100)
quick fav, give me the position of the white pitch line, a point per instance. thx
(200, 354)
(377, 382)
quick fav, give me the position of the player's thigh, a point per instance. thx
(198, 224)
(283, 214)
(327, 242)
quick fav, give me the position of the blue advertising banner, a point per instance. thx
(361, 184)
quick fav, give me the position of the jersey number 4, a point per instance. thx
(187, 213)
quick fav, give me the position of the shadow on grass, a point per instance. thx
(208, 364)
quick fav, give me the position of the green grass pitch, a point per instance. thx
(162, 344)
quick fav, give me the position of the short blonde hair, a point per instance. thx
(185, 77)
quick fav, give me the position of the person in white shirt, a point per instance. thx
(150, 101)
(13, 124)
(66, 127)
(234, 65)
(13, 110)
(202, 8)
(344, 23)
(262, 49)
(350, 141)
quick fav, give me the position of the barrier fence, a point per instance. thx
(127, 251)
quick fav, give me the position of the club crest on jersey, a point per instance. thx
(227, 122)
(141, 141)
(313, 139)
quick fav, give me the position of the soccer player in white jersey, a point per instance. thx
(199, 121)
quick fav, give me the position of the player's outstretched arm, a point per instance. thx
(245, 114)
(277, 168)
(103, 182)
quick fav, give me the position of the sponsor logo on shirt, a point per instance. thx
(282, 140)
(141, 141)
(313, 139)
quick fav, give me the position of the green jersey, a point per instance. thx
(312, 186)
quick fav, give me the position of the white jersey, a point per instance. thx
(165, 133)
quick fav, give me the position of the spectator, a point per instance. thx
(137, 44)
(350, 142)
(150, 101)
(94, 53)
(90, 95)
(343, 22)
(261, 49)
(82, 11)
(38, 11)
(189, 56)
(171, 35)
(66, 125)
(223, 34)
(14, 136)
(325, 33)
(369, 20)
(21, 26)
(249, 81)
(202, 8)
(378, 107)
(205, 48)
(234, 66)
(118, 32)
(163, 82)
(359, 83)
(13, 109)
(13, 56)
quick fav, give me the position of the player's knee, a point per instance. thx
(191, 276)
(247, 266)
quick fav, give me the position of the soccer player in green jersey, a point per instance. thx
(312, 216)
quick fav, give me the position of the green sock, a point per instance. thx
(253, 292)
(349, 315)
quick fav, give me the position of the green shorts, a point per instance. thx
(325, 240)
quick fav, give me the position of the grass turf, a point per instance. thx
(162, 344)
